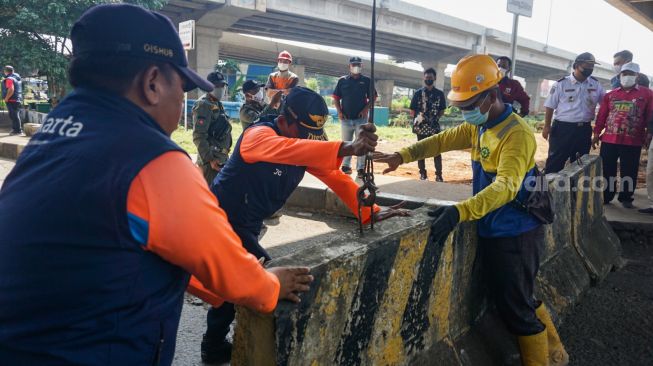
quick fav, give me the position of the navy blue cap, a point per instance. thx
(355, 60)
(133, 31)
(216, 78)
(586, 57)
(251, 85)
(310, 111)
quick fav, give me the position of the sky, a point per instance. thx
(572, 25)
(575, 25)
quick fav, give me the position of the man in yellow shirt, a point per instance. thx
(503, 150)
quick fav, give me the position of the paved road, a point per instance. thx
(5, 167)
(282, 236)
(613, 322)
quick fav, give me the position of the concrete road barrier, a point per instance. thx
(391, 297)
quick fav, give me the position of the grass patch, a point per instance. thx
(185, 138)
(388, 133)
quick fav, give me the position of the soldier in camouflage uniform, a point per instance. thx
(212, 130)
(255, 105)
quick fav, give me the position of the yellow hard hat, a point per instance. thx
(473, 75)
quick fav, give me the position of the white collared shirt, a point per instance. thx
(573, 100)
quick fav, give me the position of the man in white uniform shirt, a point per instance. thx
(571, 105)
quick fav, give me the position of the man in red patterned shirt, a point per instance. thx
(621, 127)
(511, 89)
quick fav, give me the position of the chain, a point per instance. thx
(366, 193)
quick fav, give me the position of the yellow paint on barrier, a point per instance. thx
(326, 322)
(254, 339)
(555, 300)
(549, 240)
(592, 192)
(440, 302)
(386, 346)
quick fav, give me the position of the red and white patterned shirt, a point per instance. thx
(624, 115)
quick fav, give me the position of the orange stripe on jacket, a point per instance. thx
(189, 229)
(280, 82)
(320, 157)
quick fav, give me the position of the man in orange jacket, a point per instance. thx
(266, 166)
(282, 80)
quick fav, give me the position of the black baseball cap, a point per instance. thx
(251, 85)
(216, 78)
(310, 110)
(355, 60)
(139, 33)
(586, 57)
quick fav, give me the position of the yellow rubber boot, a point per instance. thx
(534, 349)
(557, 354)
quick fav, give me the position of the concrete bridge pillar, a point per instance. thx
(439, 80)
(300, 70)
(385, 88)
(533, 91)
(206, 53)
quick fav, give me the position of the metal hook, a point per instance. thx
(366, 193)
(579, 161)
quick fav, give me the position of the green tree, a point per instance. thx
(35, 35)
(326, 82)
(313, 84)
(230, 67)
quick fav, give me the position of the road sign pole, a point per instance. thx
(513, 44)
(517, 8)
(187, 36)
(186, 103)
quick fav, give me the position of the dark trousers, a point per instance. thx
(628, 157)
(219, 319)
(437, 160)
(13, 108)
(209, 173)
(566, 141)
(510, 266)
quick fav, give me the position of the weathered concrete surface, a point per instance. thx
(5, 167)
(11, 146)
(31, 128)
(392, 298)
(616, 214)
(592, 236)
(314, 195)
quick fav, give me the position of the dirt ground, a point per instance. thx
(457, 167)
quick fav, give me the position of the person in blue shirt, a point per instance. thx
(620, 58)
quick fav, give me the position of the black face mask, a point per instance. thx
(586, 72)
(428, 82)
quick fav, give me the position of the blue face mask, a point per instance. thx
(475, 116)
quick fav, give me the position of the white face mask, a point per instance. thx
(218, 93)
(627, 81)
(503, 71)
(259, 96)
(355, 69)
(617, 68)
(282, 66)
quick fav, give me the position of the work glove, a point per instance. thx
(445, 220)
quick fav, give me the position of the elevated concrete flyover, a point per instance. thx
(639, 10)
(328, 63)
(406, 32)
